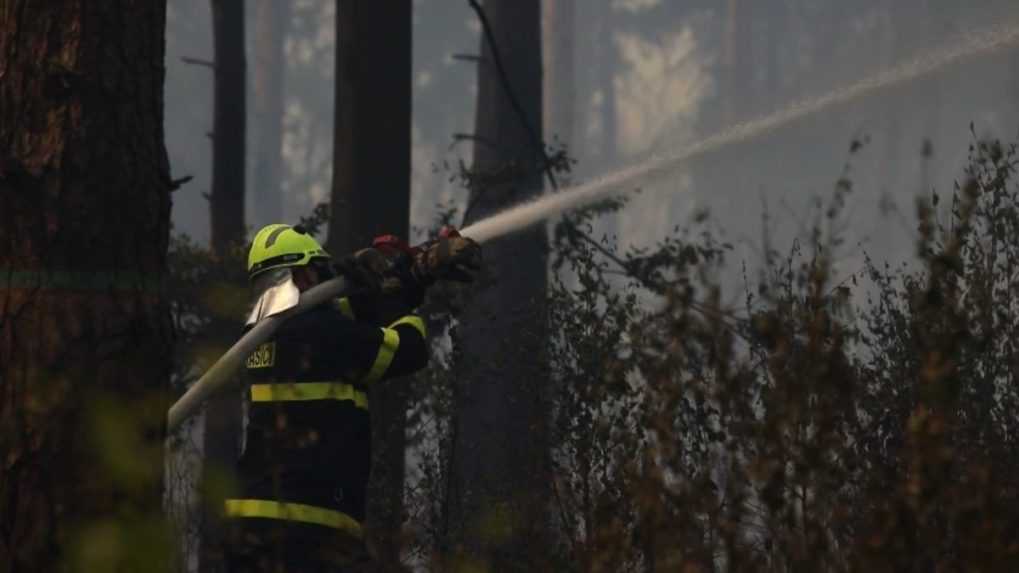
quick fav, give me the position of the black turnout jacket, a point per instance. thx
(308, 440)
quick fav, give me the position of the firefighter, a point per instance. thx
(304, 466)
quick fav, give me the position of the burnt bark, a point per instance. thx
(776, 18)
(371, 197)
(560, 76)
(499, 489)
(608, 63)
(221, 438)
(902, 41)
(228, 124)
(85, 344)
(1013, 86)
(272, 23)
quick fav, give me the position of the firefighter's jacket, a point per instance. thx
(308, 440)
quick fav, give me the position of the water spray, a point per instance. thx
(516, 218)
(527, 214)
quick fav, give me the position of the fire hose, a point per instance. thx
(222, 372)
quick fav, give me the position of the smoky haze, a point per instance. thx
(626, 81)
(968, 45)
(652, 77)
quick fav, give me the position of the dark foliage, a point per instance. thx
(865, 424)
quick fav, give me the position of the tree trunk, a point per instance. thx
(272, 23)
(1014, 88)
(902, 43)
(371, 197)
(930, 90)
(221, 439)
(85, 344)
(737, 58)
(776, 17)
(560, 90)
(828, 31)
(228, 138)
(608, 63)
(500, 481)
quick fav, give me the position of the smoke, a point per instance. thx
(969, 45)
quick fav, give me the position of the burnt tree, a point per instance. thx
(560, 75)
(221, 438)
(272, 22)
(228, 123)
(776, 21)
(371, 197)
(85, 343)
(737, 61)
(608, 63)
(500, 475)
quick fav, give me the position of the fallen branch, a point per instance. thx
(198, 62)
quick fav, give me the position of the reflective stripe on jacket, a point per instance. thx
(308, 439)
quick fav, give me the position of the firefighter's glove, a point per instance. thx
(365, 269)
(448, 258)
(387, 266)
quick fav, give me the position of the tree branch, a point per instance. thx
(532, 134)
(176, 184)
(198, 62)
(656, 287)
(461, 137)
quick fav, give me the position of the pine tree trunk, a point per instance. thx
(737, 57)
(500, 479)
(85, 344)
(608, 62)
(931, 90)
(221, 439)
(371, 197)
(560, 77)
(272, 23)
(776, 17)
(1013, 91)
(229, 117)
(901, 42)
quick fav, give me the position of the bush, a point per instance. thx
(866, 424)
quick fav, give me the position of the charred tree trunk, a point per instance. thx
(901, 42)
(371, 174)
(776, 17)
(1014, 89)
(221, 438)
(608, 63)
(228, 138)
(931, 91)
(499, 476)
(371, 197)
(827, 26)
(85, 344)
(560, 77)
(272, 23)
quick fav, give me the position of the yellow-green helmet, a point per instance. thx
(280, 245)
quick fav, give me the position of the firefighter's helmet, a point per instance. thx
(278, 245)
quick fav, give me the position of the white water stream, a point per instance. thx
(969, 45)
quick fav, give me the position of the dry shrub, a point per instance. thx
(862, 425)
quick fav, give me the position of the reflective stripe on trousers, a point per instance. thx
(268, 509)
(302, 391)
